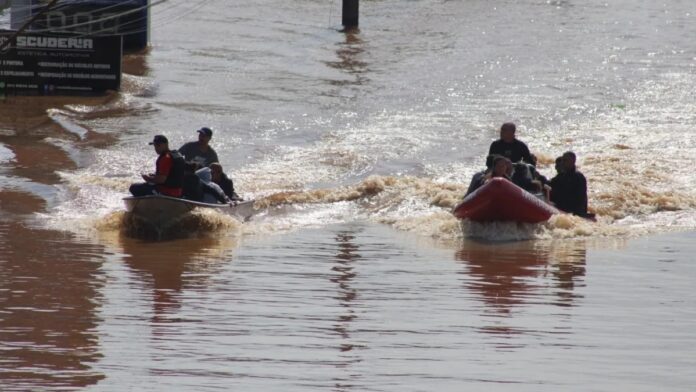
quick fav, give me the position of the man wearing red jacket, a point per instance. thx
(168, 178)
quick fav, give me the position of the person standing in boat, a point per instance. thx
(510, 147)
(569, 187)
(200, 152)
(168, 178)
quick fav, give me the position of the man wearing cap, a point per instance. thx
(168, 178)
(200, 152)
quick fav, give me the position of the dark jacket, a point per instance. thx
(514, 151)
(227, 186)
(569, 192)
(175, 179)
(192, 187)
(523, 177)
(476, 182)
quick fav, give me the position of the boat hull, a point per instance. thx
(163, 211)
(501, 200)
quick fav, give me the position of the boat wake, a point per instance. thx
(411, 204)
(197, 223)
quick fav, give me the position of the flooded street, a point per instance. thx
(350, 307)
(353, 274)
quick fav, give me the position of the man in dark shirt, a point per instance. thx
(200, 152)
(509, 147)
(569, 188)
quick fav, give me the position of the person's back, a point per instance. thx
(171, 165)
(573, 197)
(510, 147)
(569, 188)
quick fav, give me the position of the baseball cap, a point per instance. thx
(207, 131)
(159, 139)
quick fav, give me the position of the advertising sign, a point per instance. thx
(129, 18)
(38, 64)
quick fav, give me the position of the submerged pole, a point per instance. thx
(350, 14)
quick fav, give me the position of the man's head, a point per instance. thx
(507, 132)
(161, 143)
(204, 135)
(559, 165)
(569, 161)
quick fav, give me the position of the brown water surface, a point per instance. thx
(354, 275)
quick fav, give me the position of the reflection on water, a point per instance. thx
(49, 299)
(511, 276)
(348, 253)
(350, 60)
(168, 267)
(349, 52)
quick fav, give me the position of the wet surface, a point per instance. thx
(353, 275)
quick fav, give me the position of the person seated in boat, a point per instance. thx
(223, 181)
(535, 173)
(169, 172)
(569, 187)
(559, 165)
(502, 167)
(509, 146)
(212, 193)
(200, 152)
(523, 177)
(192, 189)
(477, 179)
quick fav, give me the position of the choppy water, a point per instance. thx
(353, 275)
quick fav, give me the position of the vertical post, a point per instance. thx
(350, 14)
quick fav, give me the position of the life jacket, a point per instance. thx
(175, 179)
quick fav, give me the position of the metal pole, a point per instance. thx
(350, 14)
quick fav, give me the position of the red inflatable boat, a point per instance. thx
(501, 200)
